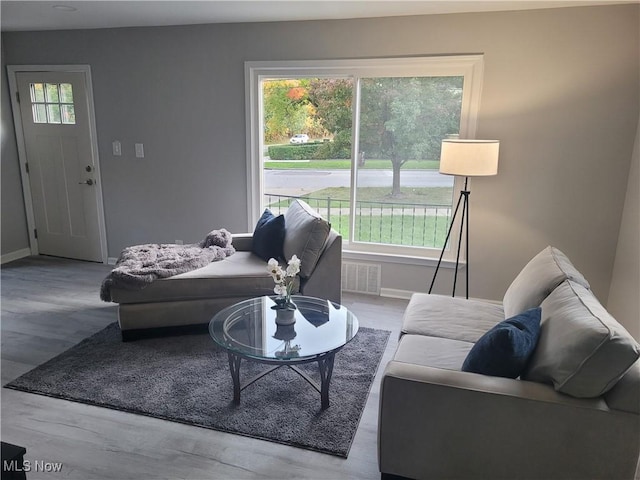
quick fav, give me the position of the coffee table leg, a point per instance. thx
(326, 370)
(234, 366)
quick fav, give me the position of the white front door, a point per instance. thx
(62, 171)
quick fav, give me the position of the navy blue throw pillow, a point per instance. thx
(505, 349)
(268, 236)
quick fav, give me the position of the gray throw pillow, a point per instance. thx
(583, 351)
(305, 235)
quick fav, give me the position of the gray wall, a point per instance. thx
(560, 92)
(624, 301)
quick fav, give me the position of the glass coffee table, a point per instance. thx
(248, 330)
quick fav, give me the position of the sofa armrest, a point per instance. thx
(326, 279)
(437, 423)
(242, 242)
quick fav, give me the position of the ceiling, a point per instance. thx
(71, 14)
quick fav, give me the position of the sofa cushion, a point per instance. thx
(505, 349)
(537, 279)
(582, 350)
(432, 351)
(268, 236)
(450, 317)
(243, 274)
(305, 235)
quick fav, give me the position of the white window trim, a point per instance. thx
(469, 66)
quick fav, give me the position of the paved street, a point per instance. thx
(298, 182)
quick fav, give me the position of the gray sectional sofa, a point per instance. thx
(193, 297)
(573, 413)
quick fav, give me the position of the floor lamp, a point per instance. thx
(465, 158)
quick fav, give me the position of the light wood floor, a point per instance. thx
(48, 305)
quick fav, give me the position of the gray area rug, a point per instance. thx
(186, 379)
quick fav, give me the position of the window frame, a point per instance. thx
(471, 67)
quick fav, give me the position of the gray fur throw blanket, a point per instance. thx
(138, 266)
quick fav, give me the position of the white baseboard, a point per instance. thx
(111, 260)
(396, 293)
(17, 255)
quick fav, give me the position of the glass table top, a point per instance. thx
(249, 329)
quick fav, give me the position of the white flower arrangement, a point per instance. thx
(284, 279)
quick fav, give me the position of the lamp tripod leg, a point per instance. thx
(446, 241)
(466, 200)
(455, 276)
(464, 222)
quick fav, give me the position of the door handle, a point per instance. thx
(88, 182)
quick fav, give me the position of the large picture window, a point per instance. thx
(359, 140)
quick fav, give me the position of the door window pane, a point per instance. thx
(66, 93)
(37, 92)
(51, 90)
(39, 113)
(53, 113)
(68, 114)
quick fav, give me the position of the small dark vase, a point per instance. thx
(285, 311)
(285, 316)
(283, 303)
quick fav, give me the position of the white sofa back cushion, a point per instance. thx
(539, 278)
(583, 351)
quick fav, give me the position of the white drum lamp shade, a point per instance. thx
(469, 158)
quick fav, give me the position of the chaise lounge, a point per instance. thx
(193, 297)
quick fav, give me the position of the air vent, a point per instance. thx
(361, 278)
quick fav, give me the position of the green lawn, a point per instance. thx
(346, 165)
(416, 231)
(380, 218)
(413, 196)
(418, 195)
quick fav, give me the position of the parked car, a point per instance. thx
(299, 138)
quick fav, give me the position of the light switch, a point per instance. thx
(117, 148)
(139, 150)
